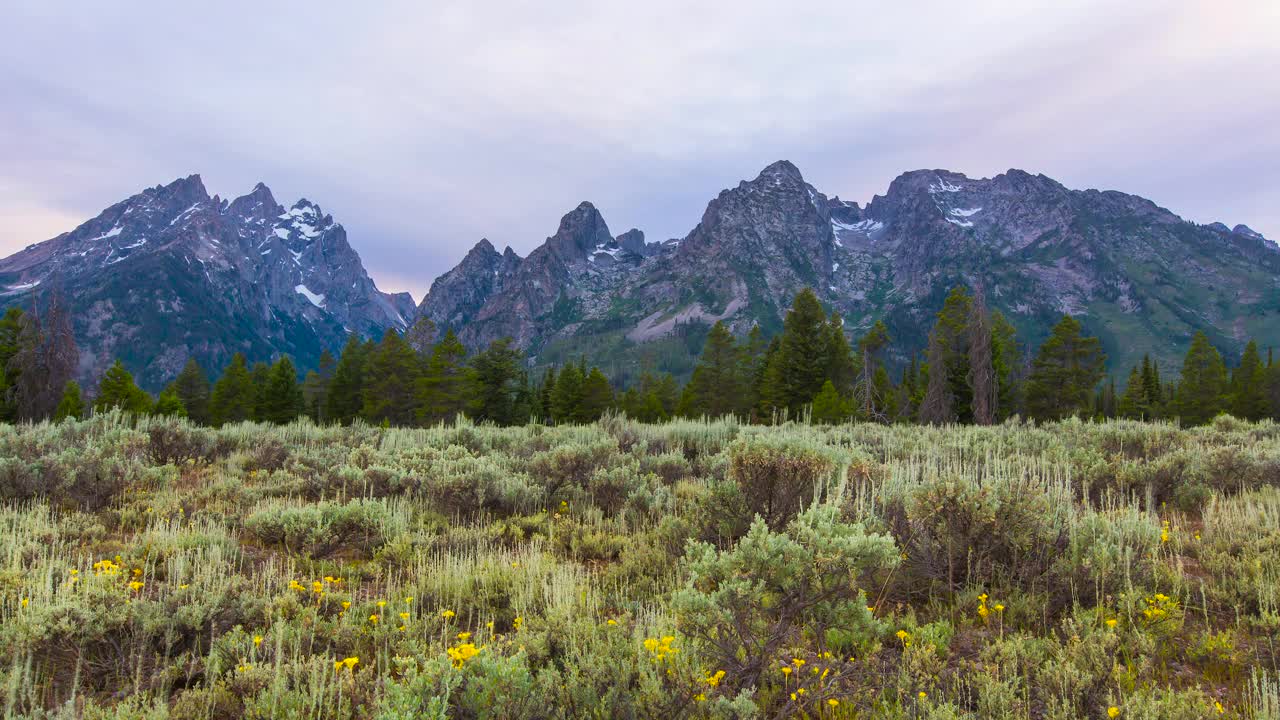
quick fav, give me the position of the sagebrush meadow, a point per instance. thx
(155, 568)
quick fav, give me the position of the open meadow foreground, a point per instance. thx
(154, 569)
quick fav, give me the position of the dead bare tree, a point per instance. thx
(937, 408)
(47, 355)
(982, 373)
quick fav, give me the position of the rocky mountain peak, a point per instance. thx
(581, 231)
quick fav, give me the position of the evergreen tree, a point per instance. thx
(498, 381)
(829, 407)
(192, 388)
(282, 398)
(46, 357)
(715, 389)
(1066, 369)
(948, 396)
(798, 369)
(1248, 391)
(597, 396)
(232, 399)
(545, 392)
(444, 388)
(345, 397)
(389, 387)
(1134, 404)
(1202, 389)
(168, 404)
(1152, 392)
(842, 366)
(260, 376)
(937, 407)
(10, 334)
(72, 403)
(751, 357)
(117, 390)
(567, 395)
(1005, 356)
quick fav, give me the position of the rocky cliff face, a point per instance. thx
(1136, 274)
(172, 273)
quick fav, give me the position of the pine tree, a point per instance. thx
(714, 389)
(1153, 393)
(798, 369)
(192, 388)
(389, 382)
(72, 403)
(497, 382)
(11, 324)
(282, 399)
(567, 396)
(545, 392)
(117, 390)
(1248, 392)
(1005, 354)
(829, 407)
(597, 396)
(842, 366)
(345, 398)
(260, 375)
(232, 399)
(937, 407)
(1202, 389)
(1134, 404)
(444, 389)
(1066, 369)
(751, 357)
(168, 404)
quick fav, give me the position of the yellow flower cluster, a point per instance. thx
(1164, 531)
(660, 648)
(1158, 607)
(905, 637)
(348, 664)
(460, 654)
(713, 679)
(106, 567)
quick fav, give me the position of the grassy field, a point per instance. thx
(149, 568)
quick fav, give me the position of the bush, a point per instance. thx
(778, 475)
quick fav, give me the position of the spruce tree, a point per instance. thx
(982, 372)
(1134, 404)
(798, 369)
(444, 388)
(72, 403)
(497, 382)
(192, 389)
(389, 390)
(597, 396)
(1248, 391)
(232, 399)
(1064, 373)
(282, 398)
(1202, 387)
(751, 357)
(168, 404)
(345, 397)
(118, 390)
(714, 389)
(260, 375)
(566, 398)
(842, 365)
(545, 392)
(829, 407)
(1005, 355)
(10, 334)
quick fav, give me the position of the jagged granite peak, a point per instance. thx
(1038, 248)
(172, 273)
(456, 296)
(633, 241)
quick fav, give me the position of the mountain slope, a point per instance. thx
(1136, 274)
(172, 273)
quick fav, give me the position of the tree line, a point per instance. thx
(974, 369)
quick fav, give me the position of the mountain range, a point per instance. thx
(171, 273)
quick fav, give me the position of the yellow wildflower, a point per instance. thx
(26, 602)
(1113, 711)
(786, 669)
(1217, 705)
(135, 585)
(257, 641)
(1111, 622)
(446, 614)
(922, 695)
(374, 618)
(464, 636)
(833, 702)
(610, 621)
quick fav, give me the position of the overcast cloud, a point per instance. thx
(424, 126)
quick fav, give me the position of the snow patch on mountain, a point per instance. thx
(317, 300)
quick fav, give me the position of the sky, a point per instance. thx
(426, 126)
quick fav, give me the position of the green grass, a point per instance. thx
(609, 570)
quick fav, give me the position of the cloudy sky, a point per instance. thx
(424, 126)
